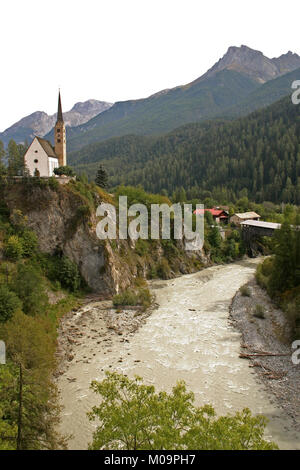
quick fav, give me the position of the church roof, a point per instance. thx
(47, 147)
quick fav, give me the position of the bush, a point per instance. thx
(14, 248)
(64, 170)
(140, 297)
(29, 242)
(141, 247)
(9, 303)
(163, 269)
(68, 275)
(259, 311)
(29, 286)
(245, 291)
(170, 250)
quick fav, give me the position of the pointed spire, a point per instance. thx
(59, 111)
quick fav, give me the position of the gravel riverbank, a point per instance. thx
(271, 334)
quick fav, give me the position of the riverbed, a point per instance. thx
(189, 336)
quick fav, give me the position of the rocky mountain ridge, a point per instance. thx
(254, 64)
(40, 123)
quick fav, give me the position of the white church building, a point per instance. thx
(41, 157)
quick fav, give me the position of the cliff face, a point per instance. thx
(63, 223)
(54, 215)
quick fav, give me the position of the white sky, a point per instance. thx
(114, 50)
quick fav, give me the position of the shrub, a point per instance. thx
(64, 170)
(29, 286)
(68, 275)
(170, 250)
(9, 303)
(14, 248)
(259, 311)
(245, 291)
(140, 297)
(141, 247)
(163, 269)
(29, 242)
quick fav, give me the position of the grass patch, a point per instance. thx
(245, 291)
(259, 312)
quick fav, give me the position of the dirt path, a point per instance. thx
(188, 337)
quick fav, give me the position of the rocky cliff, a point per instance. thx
(63, 217)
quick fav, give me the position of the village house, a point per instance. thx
(41, 157)
(219, 215)
(237, 219)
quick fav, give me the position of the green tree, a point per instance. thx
(8, 428)
(68, 274)
(29, 242)
(133, 416)
(283, 273)
(15, 159)
(14, 248)
(2, 155)
(29, 286)
(9, 303)
(101, 179)
(214, 237)
(28, 397)
(64, 170)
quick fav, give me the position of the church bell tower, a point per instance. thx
(60, 146)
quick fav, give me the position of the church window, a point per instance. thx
(58, 140)
(36, 161)
(35, 151)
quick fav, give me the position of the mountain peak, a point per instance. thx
(40, 123)
(254, 63)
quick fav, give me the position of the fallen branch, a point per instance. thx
(261, 354)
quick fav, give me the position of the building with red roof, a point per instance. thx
(219, 215)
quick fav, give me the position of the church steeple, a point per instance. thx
(60, 136)
(59, 110)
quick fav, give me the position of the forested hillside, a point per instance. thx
(165, 110)
(257, 156)
(227, 94)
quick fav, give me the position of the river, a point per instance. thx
(189, 337)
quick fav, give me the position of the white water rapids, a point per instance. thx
(188, 337)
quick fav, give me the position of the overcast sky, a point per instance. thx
(114, 50)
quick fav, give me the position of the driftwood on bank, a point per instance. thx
(261, 354)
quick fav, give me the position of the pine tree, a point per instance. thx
(101, 177)
(15, 159)
(2, 155)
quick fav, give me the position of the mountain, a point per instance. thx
(268, 93)
(165, 111)
(40, 123)
(257, 155)
(254, 64)
(241, 72)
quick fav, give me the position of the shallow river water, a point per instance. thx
(188, 337)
